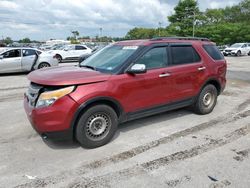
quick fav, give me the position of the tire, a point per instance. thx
(248, 53)
(59, 58)
(96, 126)
(206, 100)
(43, 65)
(238, 53)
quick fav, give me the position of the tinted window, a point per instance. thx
(28, 52)
(155, 58)
(184, 55)
(12, 53)
(80, 48)
(213, 52)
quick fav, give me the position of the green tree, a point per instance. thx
(186, 14)
(75, 34)
(25, 40)
(145, 33)
(8, 40)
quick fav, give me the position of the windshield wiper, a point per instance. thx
(88, 66)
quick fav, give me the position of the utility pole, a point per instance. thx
(160, 23)
(100, 34)
(193, 22)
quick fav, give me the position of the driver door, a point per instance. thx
(10, 61)
(150, 89)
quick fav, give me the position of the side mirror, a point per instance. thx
(1, 56)
(137, 69)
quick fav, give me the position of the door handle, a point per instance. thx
(201, 68)
(164, 75)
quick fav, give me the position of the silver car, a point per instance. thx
(24, 60)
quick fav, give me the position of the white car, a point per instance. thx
(238, 49)
(24, 60)
(71, 52)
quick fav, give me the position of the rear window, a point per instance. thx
(184, 55)
(213, 52)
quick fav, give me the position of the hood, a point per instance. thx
(231, 49)
(66, 75)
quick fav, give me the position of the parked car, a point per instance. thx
(71, 52)
(94, 50)
(122, 82)
(238, 49)
(24, 59)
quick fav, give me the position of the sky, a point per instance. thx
(46, 19)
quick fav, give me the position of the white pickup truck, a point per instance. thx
(238, 49)
(71, 52)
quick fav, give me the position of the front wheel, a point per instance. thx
(238, 53)
(206, 100)
(96, 126)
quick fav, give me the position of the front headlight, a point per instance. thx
(49, 97)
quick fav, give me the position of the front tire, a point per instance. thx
(206, 100)
(96, 126)
(238, 53)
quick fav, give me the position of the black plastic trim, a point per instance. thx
(159, 109)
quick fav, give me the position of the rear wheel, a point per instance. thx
(96, 126)
(206, 100)
(59, 57)
(43, 65)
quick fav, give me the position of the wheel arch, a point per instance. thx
(214, 82)
(113, 103)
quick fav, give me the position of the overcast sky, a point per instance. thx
(45, 19)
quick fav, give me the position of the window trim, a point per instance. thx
(182, 45)
(153, 47)
(20, 53)
(35, 52)
(203, 46)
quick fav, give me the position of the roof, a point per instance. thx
(147, 42)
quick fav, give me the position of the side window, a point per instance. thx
(80, 48)
(244, 46)
(154, 58)
(12, 53)
(184, 55)
(213, 52)
(28, 52)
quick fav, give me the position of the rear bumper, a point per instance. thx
(53, 121)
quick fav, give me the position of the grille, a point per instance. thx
(228, 50)
(33, 93)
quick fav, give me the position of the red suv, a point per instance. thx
(124, 81)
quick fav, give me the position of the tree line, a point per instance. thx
(223, 26)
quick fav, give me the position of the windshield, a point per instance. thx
(109, 58)
(236, 45)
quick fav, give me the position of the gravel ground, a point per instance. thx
(173, 149)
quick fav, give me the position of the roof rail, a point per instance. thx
(180, 38)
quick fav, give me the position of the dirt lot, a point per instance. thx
(173, 149)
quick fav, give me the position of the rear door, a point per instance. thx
(187, 71)
(80, 50)
(10, 61)
(28, 59)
